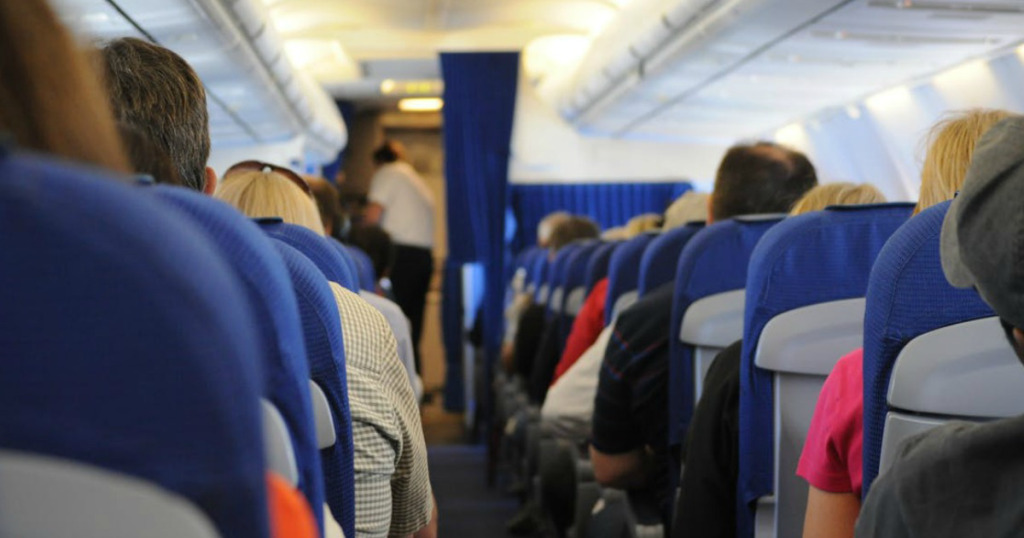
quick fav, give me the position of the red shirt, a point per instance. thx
(588, 325)
(290, 515)
(831, 459)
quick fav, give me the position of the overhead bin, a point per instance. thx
(255, 95)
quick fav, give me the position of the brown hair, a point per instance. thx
(760, 178)
(147, 157)
(571, 229)
(841, 193)
(51, 99)
(155, 91)
(328, 201)
(950, 148)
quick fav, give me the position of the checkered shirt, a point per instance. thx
(393, 495)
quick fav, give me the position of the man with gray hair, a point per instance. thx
(964, 479)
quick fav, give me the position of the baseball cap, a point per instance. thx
(982, 241)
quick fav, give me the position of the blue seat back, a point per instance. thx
(575, 285)
(325, 348)
(658, 264)
(268, 288)
(815, 258)
(713, 261)
(908, 295)
(367, 275)
(597, 267)
(128, 343)
(537, 281)
(331, 262)
(624, 271)
(556, 278)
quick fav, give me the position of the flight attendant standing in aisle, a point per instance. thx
(403, 205)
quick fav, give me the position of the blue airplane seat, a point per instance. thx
(575, 286)
(325, 348)
(908, 295)
(597, 267)
(822, 259)
(658, 264)
(712, 264)
(556, 279)
(268, 288)
(331, 262)
(353, 265)
(623, 273)
(128, 344)
(367, 275)
(537, 281)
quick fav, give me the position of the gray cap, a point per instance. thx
(982, 243)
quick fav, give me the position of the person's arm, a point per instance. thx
(830, 515)
(372, 213)
(628, 470)
(430, 531)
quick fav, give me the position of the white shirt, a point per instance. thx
(408, 204)
(569, 405)
(403, 335)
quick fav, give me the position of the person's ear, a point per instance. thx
(711, 217)
(211, 182)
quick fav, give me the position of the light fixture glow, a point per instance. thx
(421, 104)
(853, 111)
(387, 86)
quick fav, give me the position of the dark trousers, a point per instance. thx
(410, 280)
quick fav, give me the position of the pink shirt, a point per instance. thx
(831, 459)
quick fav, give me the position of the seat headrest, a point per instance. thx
(127, 341)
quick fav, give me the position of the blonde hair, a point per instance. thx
(690, 207)
(639, 224)
(841, 193)
(269, 194)
(950, 148)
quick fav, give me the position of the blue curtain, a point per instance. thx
(480, 96)
(609, 204)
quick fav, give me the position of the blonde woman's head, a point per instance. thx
(950, 148)
(647, 222)
(690, 207)
(831, 194)
(266, 193)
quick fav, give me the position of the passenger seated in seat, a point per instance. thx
(393, 494)
(964, 479)
(569, 404)
(629, 449)
(707, 500)
(831, 459)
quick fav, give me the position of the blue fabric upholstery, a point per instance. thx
(331, 261)
(658, 264)
(713, 261)
(268, 288)
(808, 259)
(325, 348)
(624, 270)
(539, 272)
(127, 341)
(557, 273)
(608, 204)
(907, 296)
(367, 275)
(575, 276)
(597, 267)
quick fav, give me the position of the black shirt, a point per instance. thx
(706, 506)
(631, 406)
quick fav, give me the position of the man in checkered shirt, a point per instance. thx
(393, 494)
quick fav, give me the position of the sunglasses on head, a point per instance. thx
(260, 166)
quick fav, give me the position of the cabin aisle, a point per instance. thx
(468, 507)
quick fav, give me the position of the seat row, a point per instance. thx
(800, 292)
(161, 354)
